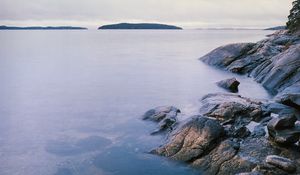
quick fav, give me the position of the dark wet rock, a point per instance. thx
(166, 116)
(250, 173)
(192, 139)
(241, 132)
(286, 136)
(282, 122)
(230, 84)
(291, 95)
(282, 163)
(225, 106)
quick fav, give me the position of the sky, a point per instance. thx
(184, 13)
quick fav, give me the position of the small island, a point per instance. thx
(42, 28)
(139, 26)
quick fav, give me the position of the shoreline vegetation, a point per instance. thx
(236, 135)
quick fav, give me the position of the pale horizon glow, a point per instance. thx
(187, 14)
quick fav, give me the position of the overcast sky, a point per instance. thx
(185, 13)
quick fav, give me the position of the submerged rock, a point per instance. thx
(230, 84)
(166, 116)
(282, 163)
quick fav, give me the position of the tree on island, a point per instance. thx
(294, 18)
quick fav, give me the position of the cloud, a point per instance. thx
(196, 13)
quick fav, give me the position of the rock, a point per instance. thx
(211, 163)
(282, 122)
(230, 84)
(225, 106)
(250, 173)
(286, 136)
(166, 116)
(241, 132)
(192, 139)
(290, 96)
(225, 55)
(268, 169)
(282, 163)
(159, 113)
(259, 131)
(284, 70)
(274, 62)
(278, 108)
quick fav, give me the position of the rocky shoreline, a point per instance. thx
(232, 134)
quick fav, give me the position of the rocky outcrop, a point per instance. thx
(230, 84)
(238, 135)
(274, 61)
(229, 136)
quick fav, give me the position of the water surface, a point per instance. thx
(71, 101)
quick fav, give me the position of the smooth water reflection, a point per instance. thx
(71, 101)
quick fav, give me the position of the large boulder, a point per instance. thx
(230, 84)
(193, 139)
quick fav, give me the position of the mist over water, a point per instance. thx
(71, 101)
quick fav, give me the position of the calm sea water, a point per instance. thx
(71, 101)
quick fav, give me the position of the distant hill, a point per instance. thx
(140, 26)
(277, 28)
(42, 28)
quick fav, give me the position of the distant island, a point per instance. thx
(138, 26)
(42, 28)
(277, 28)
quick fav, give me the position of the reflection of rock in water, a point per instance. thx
(69, 148)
